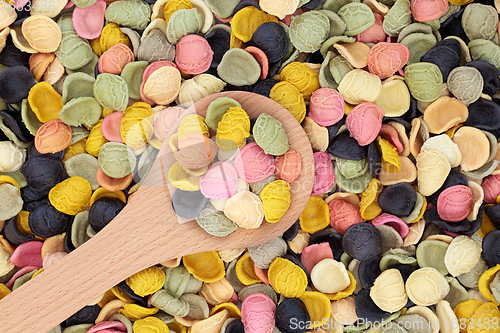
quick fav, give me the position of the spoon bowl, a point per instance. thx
(146, 232)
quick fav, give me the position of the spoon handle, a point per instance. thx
(118, 251)
(55, 294)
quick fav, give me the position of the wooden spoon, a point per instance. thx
(145, 233)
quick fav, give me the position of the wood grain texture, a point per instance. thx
(145, 233)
